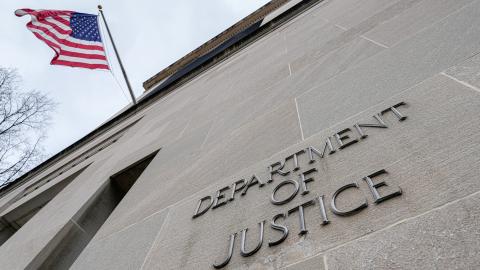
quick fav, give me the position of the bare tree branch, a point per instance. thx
(24, 115)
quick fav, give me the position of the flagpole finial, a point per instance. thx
(118, 56)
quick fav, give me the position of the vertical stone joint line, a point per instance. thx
(325, 265)
(460, 82)
(285, 43)
(206, 136)
(341, 27)
(299, 120)
(374, 42)
(155, 240)
(185, 128)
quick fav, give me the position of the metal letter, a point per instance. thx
(220, 196)
(340, 139)
(360, 131)
(395, 111)
(304, 181)
(301, 215)
(286, 182)
(296, 167)
(278, 227)
(236, 188)
(259, 245)
(277, 170)
(373, 187)
(349, 212)
(229, 255)
(323, 211)
(380, 124)
(311, 150)
(197, 212)
(253, 181)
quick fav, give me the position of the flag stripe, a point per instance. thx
(53, 45)
(52, 27)
(75, 39)
(63, 40)
(76, 64)
(63, 20)
(84, 55)
(48, 29)
(65, 49)
(82, 60)
(86, 42)
(72, 56)
(59, 24)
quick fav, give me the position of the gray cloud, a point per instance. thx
(149, 34)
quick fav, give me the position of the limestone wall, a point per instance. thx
(350, 94)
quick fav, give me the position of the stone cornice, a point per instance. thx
(254, 17)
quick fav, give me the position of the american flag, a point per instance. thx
(74, 36)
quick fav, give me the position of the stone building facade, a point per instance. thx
(335, 134)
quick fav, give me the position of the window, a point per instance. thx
(23, 208)
(82, 229)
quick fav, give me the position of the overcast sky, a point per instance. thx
(150, 35)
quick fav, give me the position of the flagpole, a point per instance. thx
(118, 56)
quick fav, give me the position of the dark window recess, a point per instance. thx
(81, 229)
(15, 219)
(71, 164)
